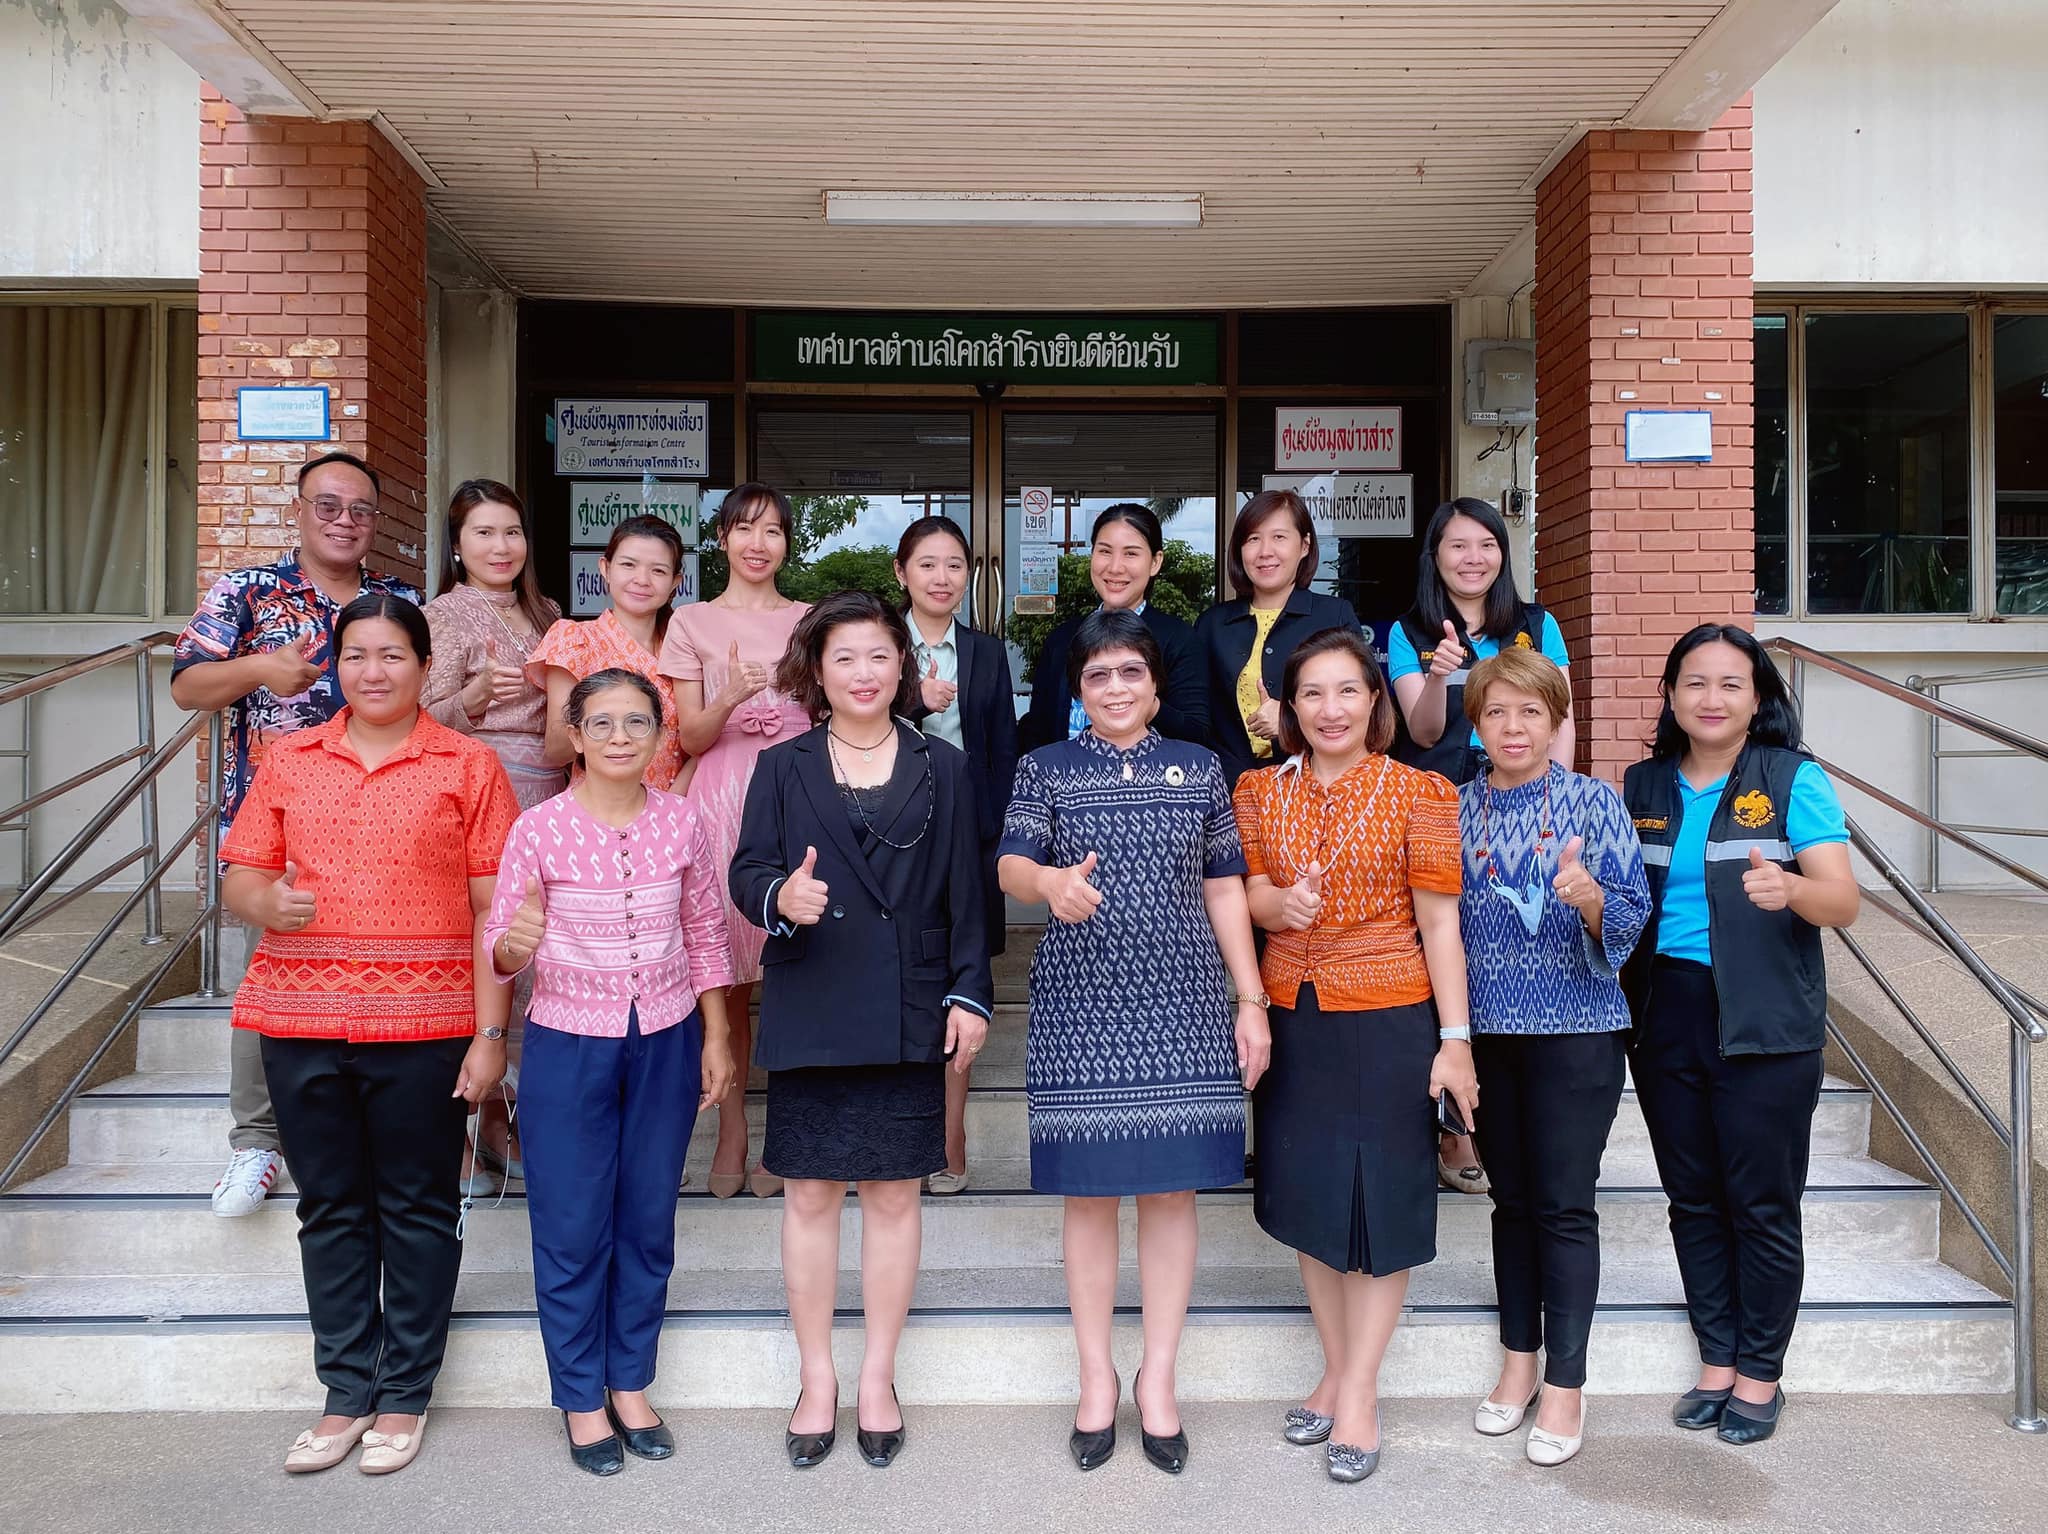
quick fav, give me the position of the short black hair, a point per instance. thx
(1379, 726)
(1776, 722)
(387, 604)
(376, 484)
(600, 681)
(799, 673)
(1114, 629)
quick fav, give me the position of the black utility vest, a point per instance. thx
(1768, 968)
(1453, 755)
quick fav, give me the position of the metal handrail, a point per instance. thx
(85, 665)
(1932, 685)
(2016, 1134)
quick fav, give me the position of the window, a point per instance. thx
(98, 442)
(2019, 461)
(1875, 492)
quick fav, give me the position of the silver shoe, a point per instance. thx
(1351, 1463)
(1307, 1427)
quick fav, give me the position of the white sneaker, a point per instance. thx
(247, 1182)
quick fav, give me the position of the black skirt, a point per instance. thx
(857, 1123)
(1344, 1133)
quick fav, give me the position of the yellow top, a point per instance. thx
(1263, 618)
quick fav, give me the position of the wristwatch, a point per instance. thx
(1259, 999)
(493, 1034)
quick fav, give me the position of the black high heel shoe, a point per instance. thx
(1092, 1448)
(1168, 1452)
(881, 1446)
(655, 1442)
(605, 1457)
(808, 1449)
(1744, 1422)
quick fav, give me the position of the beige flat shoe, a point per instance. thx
(386, 1452)
(310, 1452)
(945, 1184)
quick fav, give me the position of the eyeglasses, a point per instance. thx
(329, 508)
(1130, 674)
(600, 727)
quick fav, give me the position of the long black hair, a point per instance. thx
(1433, 604)
(1142, 520)
(1776, 722)
(469, 495)
(645, 526)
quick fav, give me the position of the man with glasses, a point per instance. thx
(261, 647)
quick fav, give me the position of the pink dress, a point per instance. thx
(699, 649)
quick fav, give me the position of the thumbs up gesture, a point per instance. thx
(292, 908)
(1765, 883)
(1450, 655)
(1265, 720)
(801, 897)
(1575, 884)
(1302, 901)
(529, 924)
(743, 678)
(292, 668)
(1067, 890)
(937, 693)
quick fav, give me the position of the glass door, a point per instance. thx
(1073, 464)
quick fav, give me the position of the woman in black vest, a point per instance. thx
(1748, 858)
(1245, 643)
(1466, 608)
(1125, 551)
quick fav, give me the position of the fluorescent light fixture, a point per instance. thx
(1015, 210)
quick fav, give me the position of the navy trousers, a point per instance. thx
(604, 1124)
(1731, 1135)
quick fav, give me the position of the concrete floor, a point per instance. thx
(1946, 1465)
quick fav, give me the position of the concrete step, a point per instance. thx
(64, 1225)
(261, 1360)
(183, 1116)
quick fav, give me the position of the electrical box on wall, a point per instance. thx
(1500, 383)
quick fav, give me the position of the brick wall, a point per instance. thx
(1643, 299)
(312, 269)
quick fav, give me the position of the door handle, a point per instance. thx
(974, 591)
(995, 570)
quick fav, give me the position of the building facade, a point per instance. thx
(1808, 221)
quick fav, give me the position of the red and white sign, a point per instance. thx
(1036, 526)
(1337, 437)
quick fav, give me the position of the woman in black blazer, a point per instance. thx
(965, 697)
(859, 855)
(1273, 556)
(1126, 549)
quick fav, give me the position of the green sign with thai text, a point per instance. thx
(807, 347)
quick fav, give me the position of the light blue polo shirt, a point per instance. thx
(1403, 661)
(1813, 817)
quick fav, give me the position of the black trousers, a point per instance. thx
(1547, 1102)
(1731, 1137)
(374, 1141)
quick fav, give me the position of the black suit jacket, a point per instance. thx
(1225, 635)
(988, 727)
(1183, 710)
(904, 929)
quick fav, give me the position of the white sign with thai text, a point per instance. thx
(632, 436)
(598, 506)
(1353, 505)
(1036, 523)
(1337, 437)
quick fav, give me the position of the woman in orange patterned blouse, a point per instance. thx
(1355, 867)
(375, 1031)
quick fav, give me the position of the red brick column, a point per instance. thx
(312, 269)
(1643, 301)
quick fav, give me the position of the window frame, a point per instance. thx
(159, 303)
(1981, 314)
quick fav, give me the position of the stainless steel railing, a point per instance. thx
(2016, 1131)
(1932, 687)
(30, 906)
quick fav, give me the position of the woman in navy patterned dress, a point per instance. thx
(1136, 1062)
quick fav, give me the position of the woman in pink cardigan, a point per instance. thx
(609, 891)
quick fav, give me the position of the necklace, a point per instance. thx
(867, 753)
(521, 645)
(931, 798)
(1295, 813)
(1527, 901)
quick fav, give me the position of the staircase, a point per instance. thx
(124, 1292)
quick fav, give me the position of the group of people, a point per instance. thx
(1381, 910)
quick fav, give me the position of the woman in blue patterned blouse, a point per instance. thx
(1554, 900)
